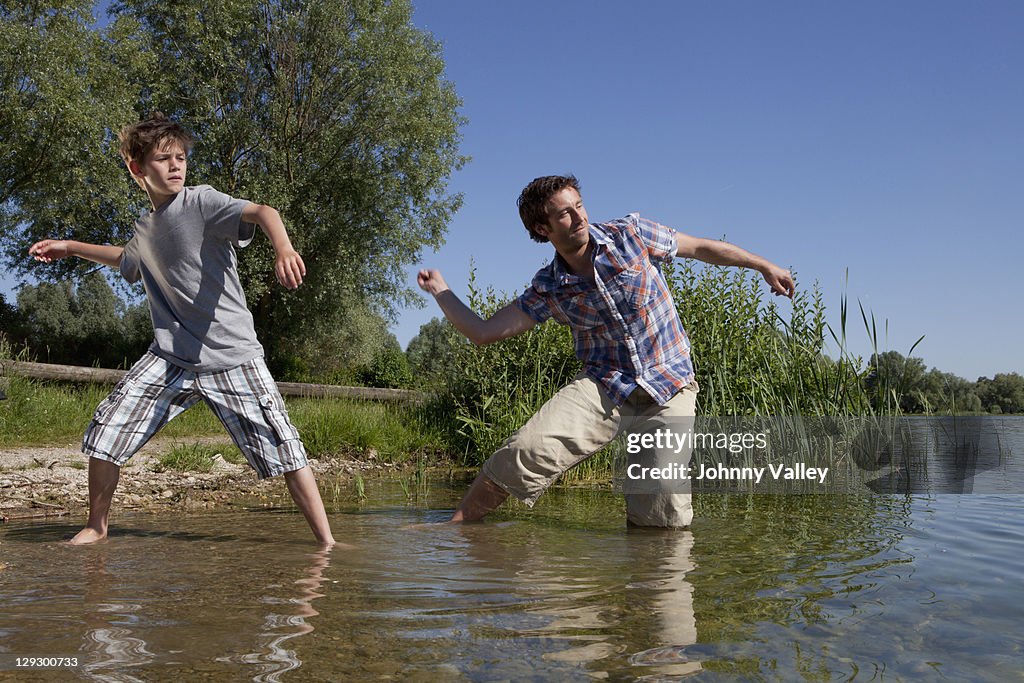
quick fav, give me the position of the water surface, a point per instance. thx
(765, 587)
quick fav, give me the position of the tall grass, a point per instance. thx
(750, 360)
(494, 389)
(46, 413)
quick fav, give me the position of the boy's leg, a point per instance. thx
(303, 489)
(150, 394)
(248, 404)
(103, 478)
(569, 428)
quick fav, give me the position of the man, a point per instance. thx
(605, 282)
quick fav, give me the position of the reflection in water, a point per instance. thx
(675, 624)
(274, 659)
(575, 600)
(765, 587)
(112, 651)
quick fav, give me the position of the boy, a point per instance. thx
(605, 283)
(205, 344)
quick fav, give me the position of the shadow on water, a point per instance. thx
(761, 587)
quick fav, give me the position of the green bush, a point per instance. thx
(749, 359)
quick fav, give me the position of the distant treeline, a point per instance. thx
(749, 359)
(89, 324)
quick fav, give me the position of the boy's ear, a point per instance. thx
(134, 168)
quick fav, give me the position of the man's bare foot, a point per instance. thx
(86, 536)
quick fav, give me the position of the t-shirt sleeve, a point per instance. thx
(222, 215)
(534, 305)
(660, 240)
(130, 261)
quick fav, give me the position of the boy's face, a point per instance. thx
(567, 222)
(162, 172)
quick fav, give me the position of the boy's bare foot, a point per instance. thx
(86, 536)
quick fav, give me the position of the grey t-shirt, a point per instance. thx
(184, 252)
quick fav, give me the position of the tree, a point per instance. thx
(83, 325)
(946, 393)
(895, 380)
(430, 353)
(388, 368)
(63, 90)
(1002, 394)
(12, 332)
(335, 112)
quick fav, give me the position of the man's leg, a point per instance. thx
(103, 477)
(483, 497)
(303, 489)
(662, 503)
(569, 428)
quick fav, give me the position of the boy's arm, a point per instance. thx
(49, 251)
(507, 322)
(288, 265)
(724, 254)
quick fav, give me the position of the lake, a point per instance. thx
(809, 587)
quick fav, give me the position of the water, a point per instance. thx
(763, 587)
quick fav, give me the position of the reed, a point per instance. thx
(750, 361)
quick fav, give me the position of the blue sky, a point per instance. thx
(884, 139)
(880, 138)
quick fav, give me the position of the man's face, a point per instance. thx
(567, 223)
(163, 170)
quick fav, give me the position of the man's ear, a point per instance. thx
(542, 230)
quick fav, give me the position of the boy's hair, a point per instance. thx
(139, 138)
(533, 197)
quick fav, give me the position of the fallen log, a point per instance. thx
(76, 373)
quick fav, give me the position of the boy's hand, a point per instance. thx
(431, 282)
(289, 268)
(48, 251)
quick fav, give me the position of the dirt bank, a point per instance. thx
(53, 481)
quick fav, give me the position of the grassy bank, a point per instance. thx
(48, 413)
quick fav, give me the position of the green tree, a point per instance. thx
(1004, 393)
(946, 393)
(83, 325)
(336, 112)
(388, 367)
(12, 324)
(430, 352)
(63, 89)
(895, 380)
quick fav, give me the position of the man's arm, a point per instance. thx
(49, 251)
(507, 322)
(724, 254)
(288, 265)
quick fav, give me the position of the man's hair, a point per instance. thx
(139, 138)
(536, 194)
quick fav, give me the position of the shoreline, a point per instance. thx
(38, 482)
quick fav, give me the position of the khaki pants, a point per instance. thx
(574, 424)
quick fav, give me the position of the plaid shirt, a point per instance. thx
(626, 327)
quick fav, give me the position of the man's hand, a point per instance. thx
(289, 268)
(780, 280)
(49, 251)
(431, 282)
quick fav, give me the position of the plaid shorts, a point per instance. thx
(245, 399)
